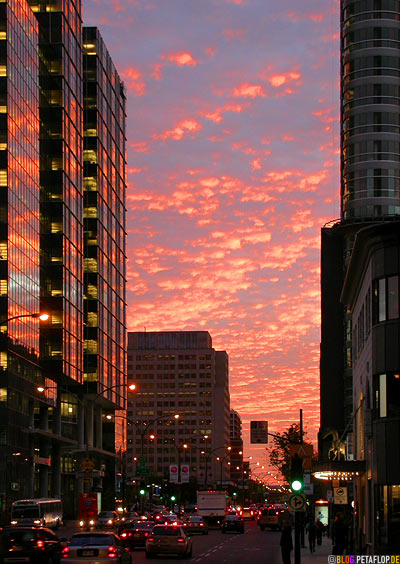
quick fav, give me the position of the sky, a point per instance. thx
(233, 168)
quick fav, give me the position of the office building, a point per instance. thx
(63, 144)
(236, 444)
(178, 373)
(19, 246)
(370, 208)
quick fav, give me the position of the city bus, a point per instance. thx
(40, 512)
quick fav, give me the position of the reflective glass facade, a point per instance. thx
(19, 240)
(61, 119)
(370, 109)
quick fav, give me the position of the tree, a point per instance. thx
(279, 453)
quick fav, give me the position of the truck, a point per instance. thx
(211, 505)
(88, 510)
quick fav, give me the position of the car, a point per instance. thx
(96, 547)
(195, 524)
(107, 520)
(169, 539)
(36, 545)
(273, 517)
(247, 513)
(233, 523)
(135, 535)
(130, 516)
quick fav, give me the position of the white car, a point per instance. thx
(107, 520)
(98, 547)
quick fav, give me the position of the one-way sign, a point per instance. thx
(297, 502)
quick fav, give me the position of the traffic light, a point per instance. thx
(142, 492)
(296, 474)
(173, 498)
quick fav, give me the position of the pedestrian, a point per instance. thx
(312, 535)
(339, 535)
(320, 529)
(286, 544)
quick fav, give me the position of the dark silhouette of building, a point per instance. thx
(370, 200)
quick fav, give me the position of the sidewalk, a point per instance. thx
(320, 556)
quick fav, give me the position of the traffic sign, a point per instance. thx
(340, 496)
(297, 502)
(259, 432)
(185, 472)
(305, 452)
(87, 465)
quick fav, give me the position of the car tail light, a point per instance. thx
(184, 525)
(181, 539)
(251, 513)
(65, 552)
(112, 552)
(40, 544)
(124, 535)
(146, 534)
(201, 524)
(150, 539)
(277, 513)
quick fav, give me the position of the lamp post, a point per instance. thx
(208, 456)
(221, 461)
(38, 315)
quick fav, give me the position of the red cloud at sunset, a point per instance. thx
(184, 127)
(133, 80)
(247, 90)
(278, 80)
(181, 59)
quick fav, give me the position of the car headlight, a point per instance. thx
(109, 522)
(91, 522)
(81, 523)
(36, 522)
(14, 522)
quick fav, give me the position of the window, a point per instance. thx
(387, 395)
(386, 299)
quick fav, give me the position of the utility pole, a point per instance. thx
(297, 517)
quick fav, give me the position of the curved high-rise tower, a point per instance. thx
(370, 110)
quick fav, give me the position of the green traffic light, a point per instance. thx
(142, 492)
(234, 494)
(296, 485)
(173, 498)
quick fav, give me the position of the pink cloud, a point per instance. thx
(247, 90)
(186, 126)
(181, 59)
(133, 80)
(231, 34)
(256, 164)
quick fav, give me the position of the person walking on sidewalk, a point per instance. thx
(286, 544)
(320, 529)
(339, 534)
(312, 535)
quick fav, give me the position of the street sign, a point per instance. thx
(259, 432)
(297, 502)
(87, 465)
(304, 451)
(185, 472)
(340, 496)
(173, 473)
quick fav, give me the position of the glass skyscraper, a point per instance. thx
(62, 251)
(19, 244)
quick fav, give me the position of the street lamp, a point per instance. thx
(39, 315)
(221, 462)
(208, 456)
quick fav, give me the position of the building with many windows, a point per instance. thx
(180, 412)
(352, 357)
(62, 243)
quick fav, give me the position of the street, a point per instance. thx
(254, 547)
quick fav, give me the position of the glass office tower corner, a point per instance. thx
(19, 247)
(104, 169)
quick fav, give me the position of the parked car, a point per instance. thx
(195, 524)
(30, 544)
(233, 523)
(107, 520)
(87, 548)
(169, 539)
(135, 535)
